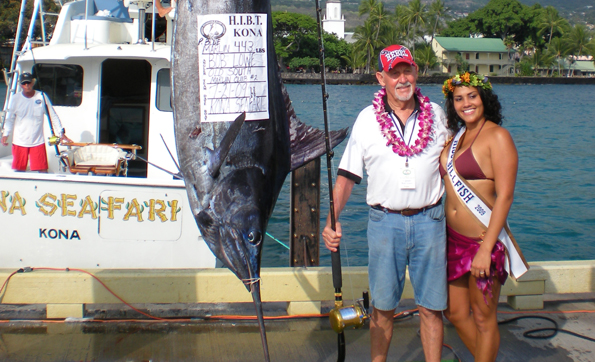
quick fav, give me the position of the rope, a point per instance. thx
(277, 240)
(250, 281)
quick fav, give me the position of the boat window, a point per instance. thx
(163, 98)
(63, 83)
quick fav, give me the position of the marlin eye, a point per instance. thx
(254, 237)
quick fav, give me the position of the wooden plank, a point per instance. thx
(305, 215)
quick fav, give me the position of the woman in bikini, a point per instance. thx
(485, 155)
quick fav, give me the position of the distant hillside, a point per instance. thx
(573, 10)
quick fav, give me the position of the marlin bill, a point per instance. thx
(237, 133)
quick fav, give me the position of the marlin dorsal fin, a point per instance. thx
(219, 155)
(306, 142)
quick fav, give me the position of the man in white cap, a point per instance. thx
(25, 122)
(398, 140)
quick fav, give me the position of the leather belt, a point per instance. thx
(405, 212)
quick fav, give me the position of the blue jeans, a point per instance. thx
(395, 241)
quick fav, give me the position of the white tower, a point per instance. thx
(334, 21)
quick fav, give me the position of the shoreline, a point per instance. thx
(362, 79)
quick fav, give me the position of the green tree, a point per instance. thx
(307, 63)
(438, 12)
(379, 18)
(551, 23)
(332, 63)
(509, 44)
(460, 28)
(498, 18)
(462, 64)
(336, 48)
(559, 49)
(425, 58)
(414, 16)
(9, 17)
(365, 42)
(578, 38)
(290, 31)
(541, 60)
(355, 60)
(591, 48)
(530, 30)
(526, 68)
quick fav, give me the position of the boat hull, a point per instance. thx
(92, 221)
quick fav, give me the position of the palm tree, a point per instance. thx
(591, 48)
(578, 39)
(380, 17)
(365, 43)
(462, 64)
(392, 36)
(398, 18)
(414, 16)
(355, 60)
(426, 58)
(541, 60)
(367, 6)
(559, 49)
(437, 11)
(550, 22)
(509, 44)
(528, 46)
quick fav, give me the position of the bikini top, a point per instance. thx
(466, 164)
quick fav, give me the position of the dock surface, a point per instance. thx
(309, 339)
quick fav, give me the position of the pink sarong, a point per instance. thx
(461, 251)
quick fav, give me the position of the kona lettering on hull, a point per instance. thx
(59, 234)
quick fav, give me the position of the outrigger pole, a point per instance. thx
(12, 86)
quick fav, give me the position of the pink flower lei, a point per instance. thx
(425, 122)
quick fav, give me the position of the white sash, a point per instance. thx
(516, 265)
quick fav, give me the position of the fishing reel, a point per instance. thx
(354, 316)
(53, 140)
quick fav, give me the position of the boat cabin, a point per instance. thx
(106, 71)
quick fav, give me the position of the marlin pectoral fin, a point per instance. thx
(218, 156)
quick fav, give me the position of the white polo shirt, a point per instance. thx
(25, 119)
(367, 148)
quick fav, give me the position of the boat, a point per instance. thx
(113, 198)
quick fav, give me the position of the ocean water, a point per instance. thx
(553, 126)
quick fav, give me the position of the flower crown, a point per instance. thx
(466, 80)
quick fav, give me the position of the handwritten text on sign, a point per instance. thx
(232, 55)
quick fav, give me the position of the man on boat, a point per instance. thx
(398, 140)
(161, 10)
(25, 122)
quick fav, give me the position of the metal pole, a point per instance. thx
(42, 21)
(27, 44)
(17, 39)
(86, 14)
(153, 28)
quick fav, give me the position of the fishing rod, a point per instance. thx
(341, 316)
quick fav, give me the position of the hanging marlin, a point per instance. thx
(237, 133)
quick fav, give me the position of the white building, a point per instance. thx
(334, 21)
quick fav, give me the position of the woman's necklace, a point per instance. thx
(398, 144)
